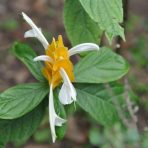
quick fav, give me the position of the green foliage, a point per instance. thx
(42, 135)
(9, 24)
(102, 91)
(109, 92)
(100, 67)
(85, 21)
(132, 21)
(108, 14)
(100, 100)
(20, 129)
(2, 144)
(24, 53)
(97, 67)
(19, 100)
(95, 136)
(80, 27)
(145, 140)
(117, 137)
(100, 109)
(139, 52)
(132, 135)
(43, 132)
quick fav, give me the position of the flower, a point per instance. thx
(58, 68)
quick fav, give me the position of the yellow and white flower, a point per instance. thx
(58, 68)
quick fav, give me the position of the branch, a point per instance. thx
(129, 104)
(118, 107)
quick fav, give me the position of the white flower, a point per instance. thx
(35, 31)
(54, 119)
(67, 93)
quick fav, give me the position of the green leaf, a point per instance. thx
(107, 92)
(101, 90)
(2, 144)
(20, 129)
(79, 26)
(100, 67)
(19, 100)
(100, 109)
(111, 93)
(24, 53)
(43, 134)
(107, 13)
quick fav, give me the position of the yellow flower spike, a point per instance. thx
(60, 41)
(47, 73)
(59, 53)
(52, 47)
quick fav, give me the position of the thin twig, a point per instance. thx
(129, 104)
(118, 107)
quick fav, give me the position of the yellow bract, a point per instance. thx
(59, 54)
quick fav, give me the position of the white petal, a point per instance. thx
(64, 95)
(31, 33)
(67, 93)
(54, 119)
(82, 48)
(59, 121)
(43, 58)
(35, 32)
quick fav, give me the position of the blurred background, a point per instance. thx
(82, 130)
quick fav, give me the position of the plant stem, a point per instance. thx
(118, 107)
(125, 19)
(129, 104)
